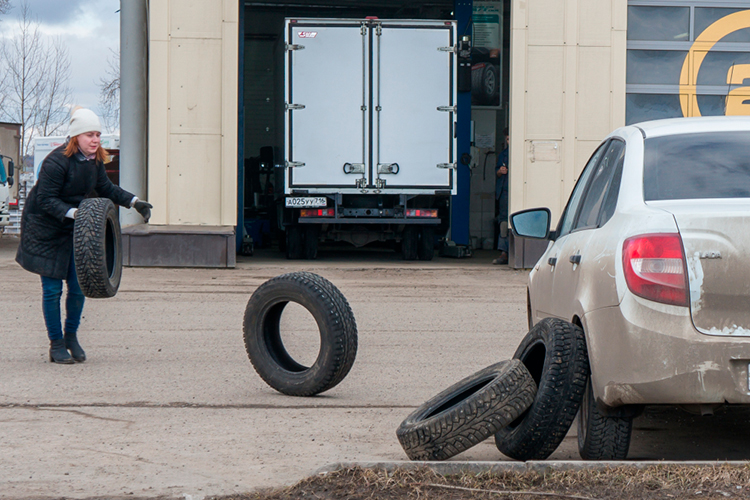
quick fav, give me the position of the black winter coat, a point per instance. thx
(46, 234)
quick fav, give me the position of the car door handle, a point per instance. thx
(575, 259)
(552, 261)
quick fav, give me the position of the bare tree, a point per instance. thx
(4, 6)
(36, 89)
(109, 93)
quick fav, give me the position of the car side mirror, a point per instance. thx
(532, 223)
(10, 181)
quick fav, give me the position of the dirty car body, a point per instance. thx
(651, 257)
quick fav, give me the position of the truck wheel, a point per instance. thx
(601, 437)
(468, 412)
(265, 346)
(554, 351)
(426, 246)
(409, 242)
(293, 242)
(97, 247)
(311, 234)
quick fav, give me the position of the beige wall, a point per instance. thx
(567, 92)
(192, 150)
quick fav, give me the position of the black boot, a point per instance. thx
(71, 344)
(58, 353)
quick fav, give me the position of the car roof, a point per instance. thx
(677, 126)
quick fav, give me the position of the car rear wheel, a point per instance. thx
(554, 351)
(601, 437)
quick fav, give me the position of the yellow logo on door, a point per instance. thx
(738, 100)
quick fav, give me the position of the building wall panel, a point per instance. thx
(544, 92)
(193, 75)
(193, 181)
(196, 18)
(196, 87)
(567, 86)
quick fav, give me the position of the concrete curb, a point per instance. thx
(542, 466)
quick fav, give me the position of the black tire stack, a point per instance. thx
(529, 404)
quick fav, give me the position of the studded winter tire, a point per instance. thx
(554, 351)
(468, 412)
(265, 346)
(97, 246)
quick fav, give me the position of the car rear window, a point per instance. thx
(691, 166)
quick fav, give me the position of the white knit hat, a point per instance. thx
(84, 120)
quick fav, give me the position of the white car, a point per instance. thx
(651, 259)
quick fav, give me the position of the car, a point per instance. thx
(651, 259)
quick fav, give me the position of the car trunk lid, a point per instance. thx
(716, 240)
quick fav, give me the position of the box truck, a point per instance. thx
(370, 142)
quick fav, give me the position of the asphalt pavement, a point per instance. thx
(168, 404)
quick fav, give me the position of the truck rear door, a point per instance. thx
(326, 118)
(414, 97)
(370, 105)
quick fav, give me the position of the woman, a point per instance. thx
(69, 174)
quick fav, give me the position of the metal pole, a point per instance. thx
(133, 102)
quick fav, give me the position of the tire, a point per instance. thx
(311, 234)
(426, 246)
(601, 437)
(293, 242)
(468, 412)
(409, 242)
(554, 351)
(97, 247)
(264, 345)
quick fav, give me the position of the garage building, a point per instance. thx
(567, 73)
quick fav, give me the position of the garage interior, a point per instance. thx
(261, 108)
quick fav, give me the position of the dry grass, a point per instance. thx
(652, 482)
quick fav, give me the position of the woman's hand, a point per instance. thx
(144, 208)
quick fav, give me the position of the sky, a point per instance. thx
(91, 31)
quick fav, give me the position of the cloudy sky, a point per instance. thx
(89, 28)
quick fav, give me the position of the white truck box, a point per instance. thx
(370, 111)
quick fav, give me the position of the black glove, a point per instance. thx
(144, 208)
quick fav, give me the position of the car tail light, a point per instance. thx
(316, 212)
(422, 212)
(655, 268)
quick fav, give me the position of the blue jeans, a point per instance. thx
(51, 294)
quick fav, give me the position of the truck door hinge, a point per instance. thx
(293, 164)
(450, 109)
(363, 29)
(378, 30)
(354, 168)
(388, 168)
(447, 165)
(361, 183)
(448, 49)
(287, 107)
(380, 183)
(292, 46)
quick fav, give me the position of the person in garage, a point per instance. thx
(501, 200)
(69, 174)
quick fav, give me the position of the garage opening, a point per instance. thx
(262, 108)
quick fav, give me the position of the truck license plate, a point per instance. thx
(306, 202)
